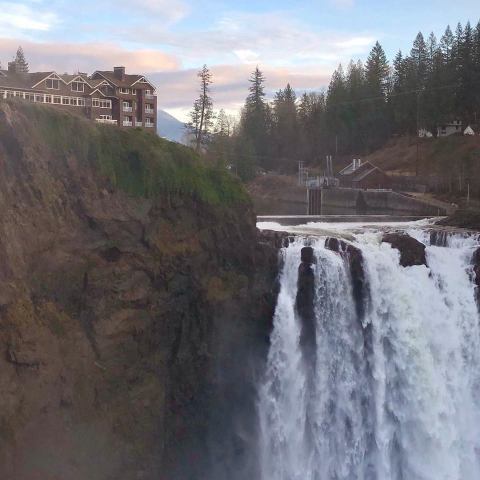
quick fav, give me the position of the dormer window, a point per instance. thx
(52, 84)
(78, 87)
(126, 91)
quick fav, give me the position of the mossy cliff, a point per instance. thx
(135, 298)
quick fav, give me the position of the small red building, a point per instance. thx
(364, 176)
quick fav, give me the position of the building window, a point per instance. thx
(53, 84)
(57, 99)
(105, 117)
(78, 87)
(101, 103)
(126, 91)
(81, 102)
(65, 101)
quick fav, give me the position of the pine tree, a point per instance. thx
(419, 58)
(20, 61)
(202, 116)
(476, 79)
(465, 97)
(285, 127)
(446, 45)
(255, 118)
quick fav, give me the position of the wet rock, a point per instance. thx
(438, 238)
(354, 257)
(476, 274)
(307, 255)
(412, 252)
(305, 301)
(274, 239)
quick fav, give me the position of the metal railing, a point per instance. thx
(126, 123)
(107, 121)
(127, 109)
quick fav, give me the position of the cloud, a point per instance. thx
(273, 38)
(16, 18)
(247, 56)
(170, 10)
(70, 57)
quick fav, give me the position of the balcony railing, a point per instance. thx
(149, 95)
(127, 123)
(106, 120)
(149, 110)
(127, 109)
(149, 125)
(138, 124)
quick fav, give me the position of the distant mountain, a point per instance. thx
(170, 128)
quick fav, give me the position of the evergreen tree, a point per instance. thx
(285, 125)
(476, 68)
(446, 45)
(20, 61)
(465, 96)
(419, 56)
(255, 118)
(375, 119)
(202, 116)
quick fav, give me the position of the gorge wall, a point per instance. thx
(126, 313)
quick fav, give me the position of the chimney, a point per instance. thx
(119, 72)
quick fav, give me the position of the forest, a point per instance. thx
(364, 106)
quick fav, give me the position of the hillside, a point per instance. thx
(436, 155)
(132, 287)
(169, 127)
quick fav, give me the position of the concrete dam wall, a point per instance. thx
(368, 201)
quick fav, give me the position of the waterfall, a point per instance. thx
(393, 394)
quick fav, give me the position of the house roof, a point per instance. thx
(350, 169)
(22, 80)
(27, 81)
(128, 80)
(365, 173)
(359, 173)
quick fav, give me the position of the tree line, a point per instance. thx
(365, 104)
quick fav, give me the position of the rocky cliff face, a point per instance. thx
(125, 322)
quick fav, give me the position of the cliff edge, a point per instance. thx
(133, 289)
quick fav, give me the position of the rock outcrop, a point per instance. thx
(412, 252)
(305, 301)
(476, 274)
(125, 320)
(355, 261)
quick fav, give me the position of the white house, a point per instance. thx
(424, 133)
(449, 128)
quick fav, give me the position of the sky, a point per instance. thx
(169, 40)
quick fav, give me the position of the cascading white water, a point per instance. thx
(392, 396)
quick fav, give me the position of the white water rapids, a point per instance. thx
(392, 396)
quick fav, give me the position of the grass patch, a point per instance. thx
(134, 160)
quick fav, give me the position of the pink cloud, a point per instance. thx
(87, 57)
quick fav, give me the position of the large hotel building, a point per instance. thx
(112, 97)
